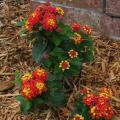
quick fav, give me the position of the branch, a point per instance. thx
(6, 74)
(9, 95)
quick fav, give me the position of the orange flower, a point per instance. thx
(64, 65)
(49, 22)
(93, 111)
(59, 11)
(78, 117)
(75, 27)
(105, 93)
(28, 90)
(26, 77)
(102, 109)
(73, 54)
(90, 99)
(87, 29)
(40, 74)
(34, 19)
(77, 38)
(40, 86)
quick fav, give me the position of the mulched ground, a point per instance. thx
(15, 54)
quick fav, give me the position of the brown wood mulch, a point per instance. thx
(15, 54)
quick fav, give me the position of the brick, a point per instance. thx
(89, 4)
(113, 7)
(83, 17)
(99, 22)
(110, 26)
(34, 5)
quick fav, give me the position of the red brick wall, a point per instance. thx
(102, 15)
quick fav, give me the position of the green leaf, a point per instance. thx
(88, 56)
(58, 71)
(21, 23)
(38, 50)
(26, 105)
(66, 30)
(47, 63)
(87, 42)
(54, 86)
(59, 53)
(51, 77)
(17, 80)
(22, 33)
(76, 65)
(56, 99)
(38, 101)
(57, 39)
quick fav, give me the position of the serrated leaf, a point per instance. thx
(47, 63)
(57, 51)
(38, 101)
(54, 86)
(56, 99)
(76, 62)
(25, 104)
(38, 50)
(57, 39)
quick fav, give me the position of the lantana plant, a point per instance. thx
(59, 48)
(90, 106)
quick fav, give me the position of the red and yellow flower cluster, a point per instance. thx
(77, 38)
(72, 53)
(34, 84)
(45, 16)
(100, 106)
(64, 64)
(77, 27)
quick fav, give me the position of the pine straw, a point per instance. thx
(15, 53)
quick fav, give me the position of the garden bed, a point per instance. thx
(15, 53)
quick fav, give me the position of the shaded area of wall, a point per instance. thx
(102, 15)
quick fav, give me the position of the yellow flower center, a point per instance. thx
(26, 91)
(60, 10)
(78, 117)
(64, 65)
(40, 71)
(40, 85)
(77, 38)
(92, 109)
(51, 22)
(33, 15)
(73, 53)
(26, 76)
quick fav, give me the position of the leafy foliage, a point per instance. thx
(59, 48)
